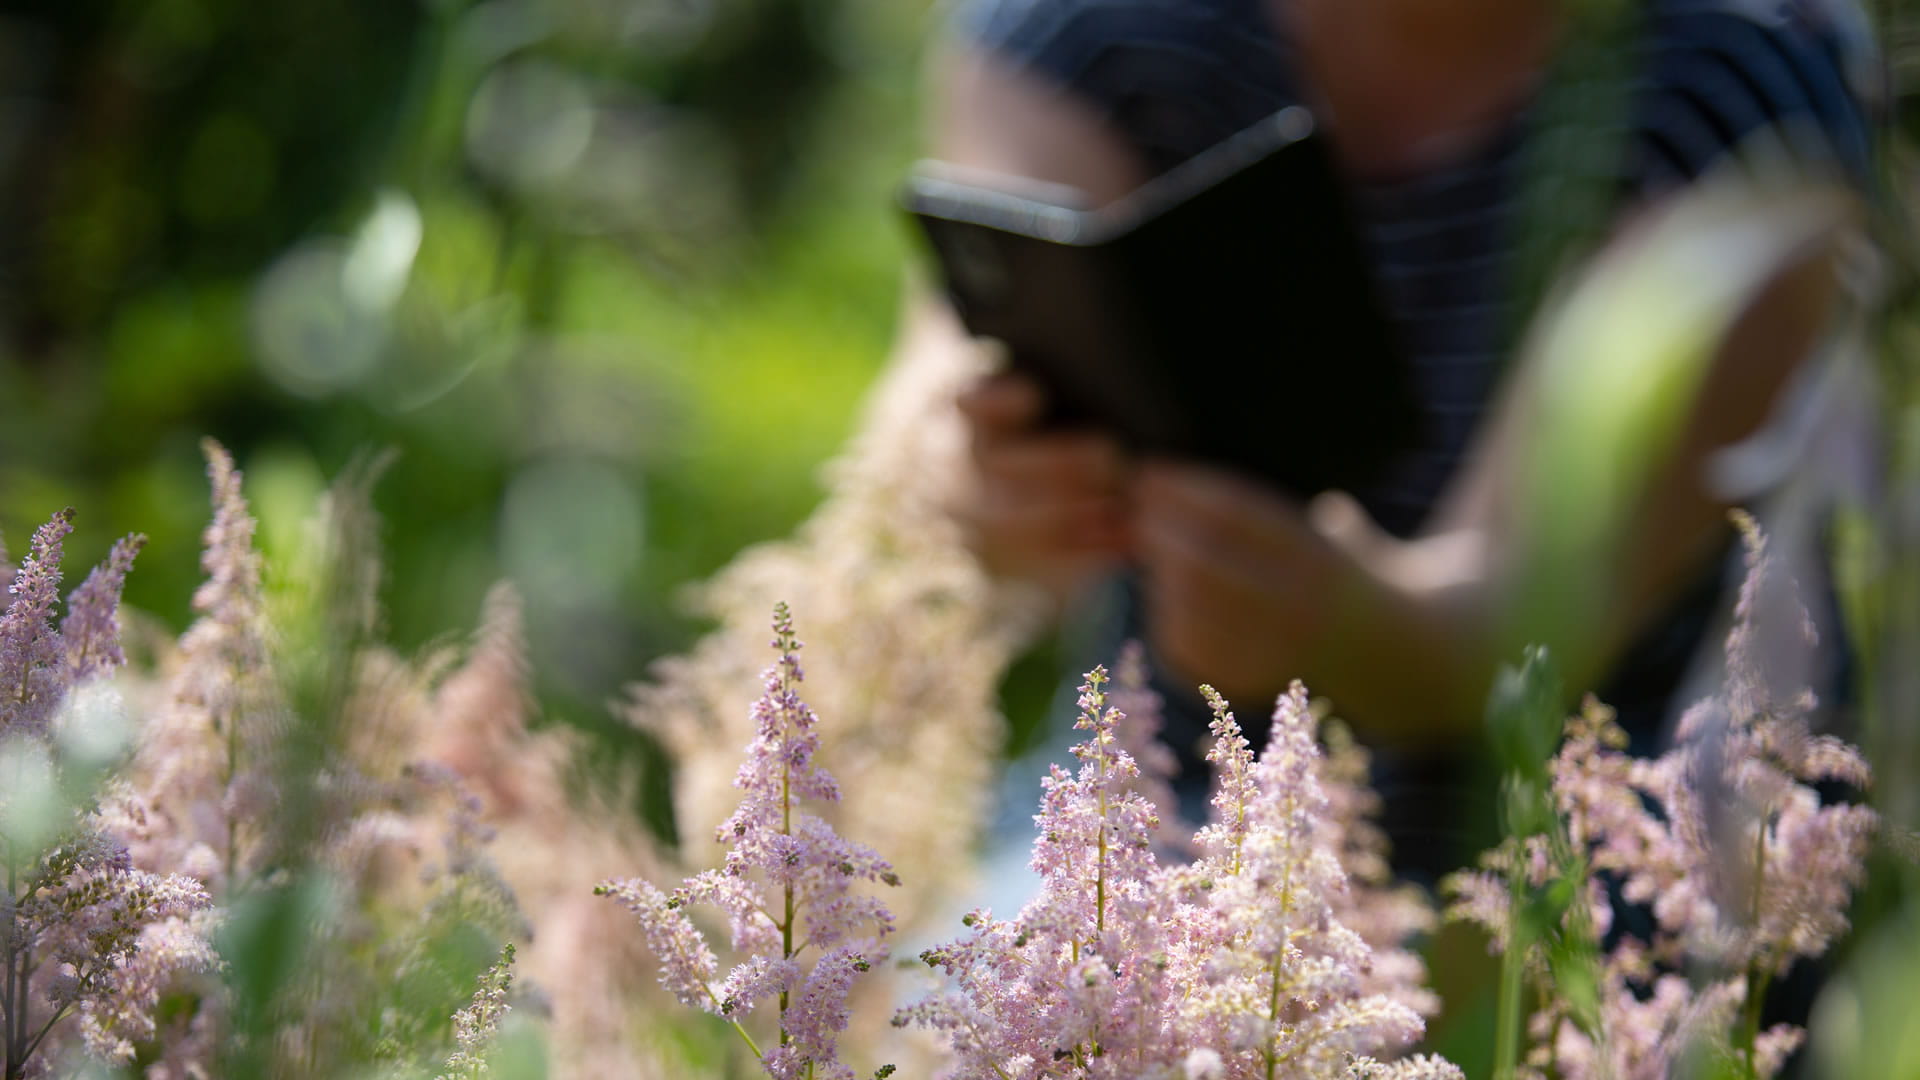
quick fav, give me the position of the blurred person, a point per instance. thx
(1383, 598)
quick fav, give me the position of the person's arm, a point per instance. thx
(1246, 589)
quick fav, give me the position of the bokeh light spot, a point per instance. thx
(570, 531)
(529, 122)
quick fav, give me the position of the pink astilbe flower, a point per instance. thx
(553, 842)
(1142, 705)
(81, 925)
(1067, 985)
(397, 842)
(83, 934)
(883, 573)
(1235, 967)
(1288, 948)
(91, 629)
(1386, 913)
(33, 675)
(1724, 839)
(204, 765)
(786, 886)
(115, 1024)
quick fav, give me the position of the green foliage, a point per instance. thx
(309, 232)
(1618, 365)
(1525, 714)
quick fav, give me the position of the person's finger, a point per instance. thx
(1002, 402)
(1340, 518)
(1040, 528)
(1181, 594)
(1226, 517)
(1186, 560)
(1055, 465)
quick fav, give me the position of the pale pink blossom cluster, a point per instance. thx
(204, 779)
(882, 572)
(86, 938)
(1388, 914)
(231, 788)
(1725, 840)
(787, 889)
(1236, 966)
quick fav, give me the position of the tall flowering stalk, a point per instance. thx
(347, 870)
(882, 571)
(205, 764)
(1233, 968)
(1725, 839)
(85, 938)
(786, 888)
(475, 1027)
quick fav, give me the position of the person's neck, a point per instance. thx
(1404, 81)
(1451, 31)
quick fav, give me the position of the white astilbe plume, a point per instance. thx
(1725, 839)
(1234, 968)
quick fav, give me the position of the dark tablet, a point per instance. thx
(1225, 311)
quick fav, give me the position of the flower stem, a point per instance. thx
(1759, 973)
(1506, 1031)
(786, 829)
(1273, 1012)
(751, 1045)
(14, 1000)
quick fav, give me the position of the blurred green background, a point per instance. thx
(609, 275)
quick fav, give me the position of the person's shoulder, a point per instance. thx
(1019, 21)
(1753, 78)
(1170, 77)
(1071, 39)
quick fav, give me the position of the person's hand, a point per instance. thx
(1240, 586)
(1045, 506)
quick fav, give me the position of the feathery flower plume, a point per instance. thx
(1140, 737)
(786, 888)
(1278, 911)
(84, 936)
(204, 768)
(90, 628)
(1729, 845)
(393, 841)
(1235, 967)
(552, 842)
(883, 572)
(33, 676)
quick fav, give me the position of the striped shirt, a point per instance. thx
(1174, 77)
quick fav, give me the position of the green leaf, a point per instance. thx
(1524, 715)
(1611, 372)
